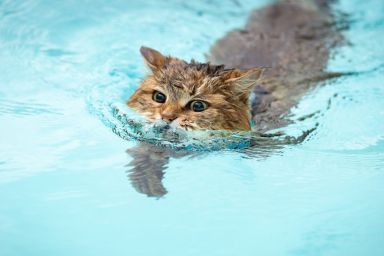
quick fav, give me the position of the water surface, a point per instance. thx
(64, 174)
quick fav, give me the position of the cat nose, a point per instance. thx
(168, 118)
(169, 112)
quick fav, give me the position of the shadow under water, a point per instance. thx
(149, 161)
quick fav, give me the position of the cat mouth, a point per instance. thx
(169, 131)
(185, 127)
(162, 126)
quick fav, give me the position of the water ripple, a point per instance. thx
(17, 108)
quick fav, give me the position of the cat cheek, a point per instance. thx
(155, 115)
(148, 116)
(182, 122)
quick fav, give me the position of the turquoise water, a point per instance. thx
(66, 186)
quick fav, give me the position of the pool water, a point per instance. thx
(68, 183)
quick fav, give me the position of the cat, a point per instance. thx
(293, 38)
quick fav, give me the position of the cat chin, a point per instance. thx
(162, 125)
(175, 126)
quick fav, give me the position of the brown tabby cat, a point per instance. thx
(292, 37)
(195, 96)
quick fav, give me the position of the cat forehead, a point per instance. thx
(188, 79)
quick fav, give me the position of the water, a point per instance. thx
(64, 174)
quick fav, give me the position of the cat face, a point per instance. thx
(194, 96)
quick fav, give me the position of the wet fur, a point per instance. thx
(295, 39)
(226, 91)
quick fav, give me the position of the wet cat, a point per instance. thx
(195, 96)
(294, 38)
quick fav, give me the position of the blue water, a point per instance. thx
(65, 184)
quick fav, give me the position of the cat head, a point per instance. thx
(194, 96)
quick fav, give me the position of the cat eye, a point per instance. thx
(159, 97)
(198, 105)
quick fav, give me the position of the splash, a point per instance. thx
(130, 126)
(105, 100)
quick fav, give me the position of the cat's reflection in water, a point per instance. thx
(149, 162)
(146, 169)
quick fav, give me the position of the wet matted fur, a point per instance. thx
(293, 38)
(225, 93)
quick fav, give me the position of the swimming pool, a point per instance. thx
(65, 184)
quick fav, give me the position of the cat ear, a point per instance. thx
(243, 80)
(154, 59)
